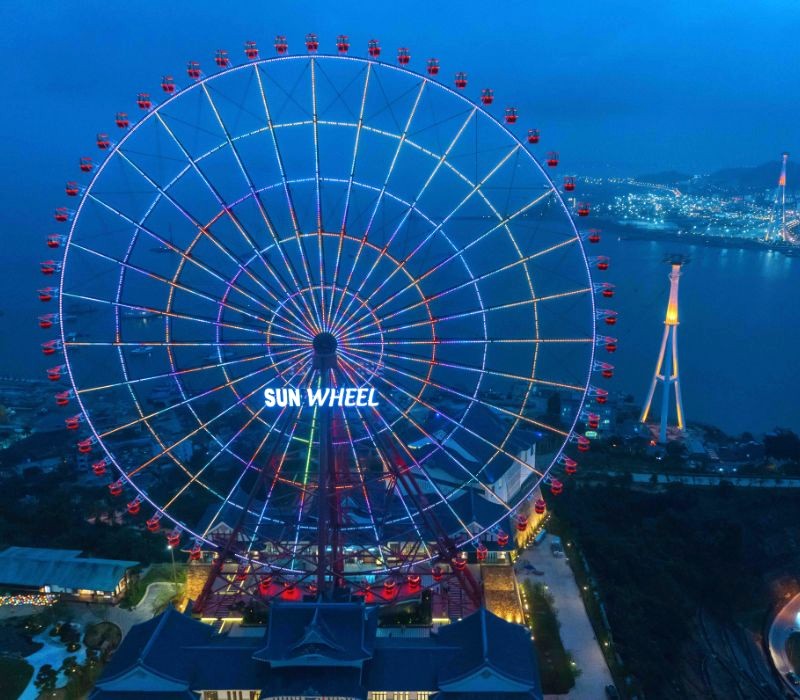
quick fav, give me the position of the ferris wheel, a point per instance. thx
(314, 310)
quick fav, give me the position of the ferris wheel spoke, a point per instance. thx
(161, 312)
(433, 440)
(318, 191)
(465, 341)
(170, 283)
(225, 448)
(315, 119)
(184, 256)
(173, 374)
(293, 358)
(435, 385)
(362, 480)
(459, 425)
(276, 477)
(427, 361)
(429, 236)
(289, 199)
(222, 450)
(304, 490)
(409, 209)
(357, 332)
(405, 450)
(161, 344)
(350, 180)
(261, 208)
(202, 230)
(459, 252)
(203, 426)
(381, 194)
(225, 209)
(228, 499)
(472, 282)
(386, 469)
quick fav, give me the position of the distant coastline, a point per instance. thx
(628, 232)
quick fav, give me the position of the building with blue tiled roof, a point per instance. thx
(316, 650)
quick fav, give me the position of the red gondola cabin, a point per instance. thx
(251, 50)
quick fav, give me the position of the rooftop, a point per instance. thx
(35, 567)
(324, 647)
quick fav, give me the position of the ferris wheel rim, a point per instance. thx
(263, 61)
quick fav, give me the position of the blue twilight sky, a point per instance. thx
(617, 86)
(615, 83)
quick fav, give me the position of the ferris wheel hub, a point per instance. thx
(325, 345)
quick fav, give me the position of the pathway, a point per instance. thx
(577, 633)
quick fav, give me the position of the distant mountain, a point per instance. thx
(760, 177)
(668, 177)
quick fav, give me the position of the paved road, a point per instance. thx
(711, 480)
(783, 625)
(576, 630)
(88, 614)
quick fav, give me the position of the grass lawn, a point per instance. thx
(157, 572)
(555, 665)
(15, 674)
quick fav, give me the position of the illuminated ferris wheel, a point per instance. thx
(314, 310)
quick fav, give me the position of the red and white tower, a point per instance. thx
(666, 371)
(777, 220)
